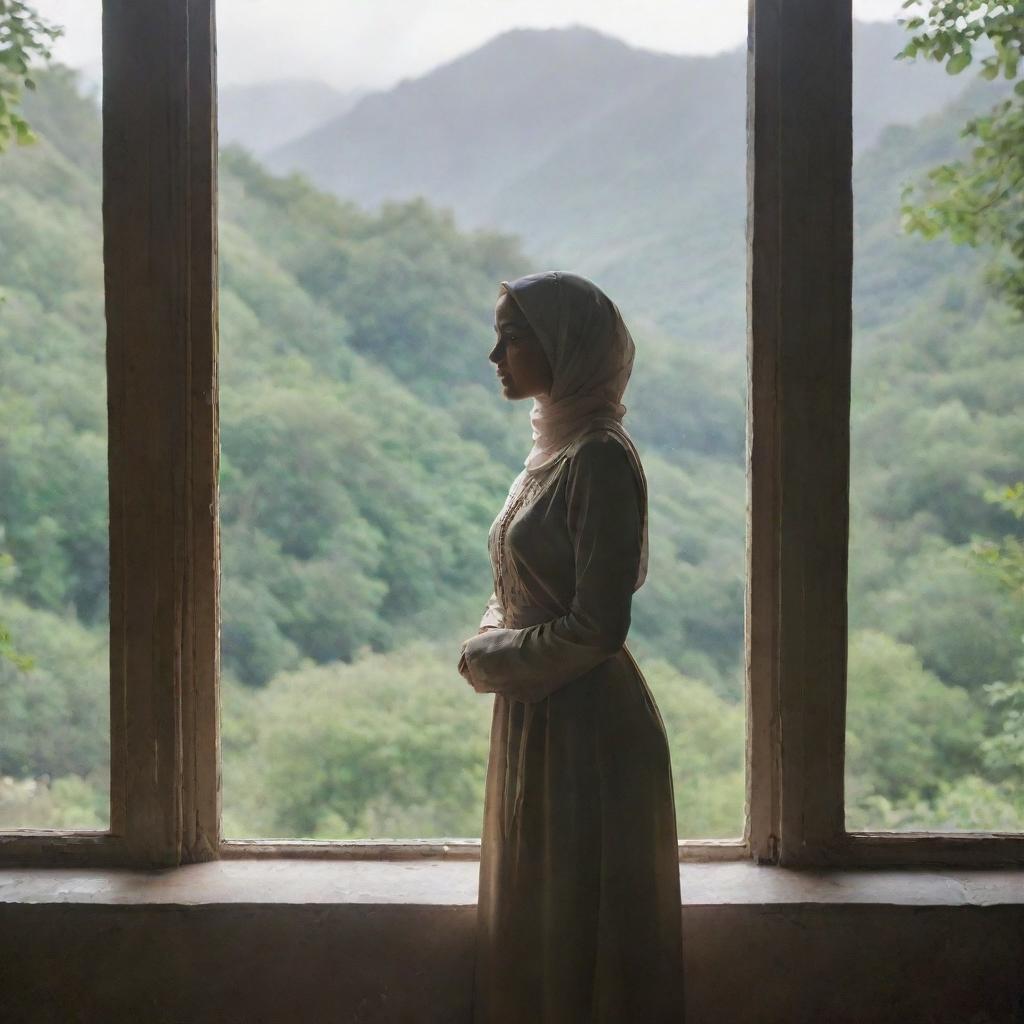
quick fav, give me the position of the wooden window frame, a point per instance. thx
(160, 248)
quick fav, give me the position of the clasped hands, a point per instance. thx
(464, 668)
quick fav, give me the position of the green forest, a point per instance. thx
(366, 449)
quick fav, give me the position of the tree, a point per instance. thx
(907, 732)
(1004, 751)
(1006, 559)
(8, 652)
(978, 200)
(24, 35)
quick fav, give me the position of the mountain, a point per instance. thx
(473, 126)
(538, 129)
(889, 91)
(266, 115)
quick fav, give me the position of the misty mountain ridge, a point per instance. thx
(522, 95)
(625, 164)
(265, 115)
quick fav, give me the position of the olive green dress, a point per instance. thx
(579, 910)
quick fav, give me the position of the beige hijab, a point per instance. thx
(591, 354)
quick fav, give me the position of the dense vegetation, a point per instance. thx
(365, 452)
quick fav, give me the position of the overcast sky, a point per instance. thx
(374, 43)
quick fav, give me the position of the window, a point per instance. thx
(934, 634)
(159, 172)
(365, 445)
(54, 528)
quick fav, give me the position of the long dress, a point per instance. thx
(579, 905)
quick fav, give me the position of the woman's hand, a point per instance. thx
(464, 671)
(464, 667)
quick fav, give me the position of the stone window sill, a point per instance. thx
(454, 884)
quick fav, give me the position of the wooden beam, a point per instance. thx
(929, 849)
(799, 289)
(762, 447)
(201, 624)
(699, 850)
(69, 849)
(158, 363)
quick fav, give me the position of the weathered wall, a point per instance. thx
(270, 962)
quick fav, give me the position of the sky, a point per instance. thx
(359, 44)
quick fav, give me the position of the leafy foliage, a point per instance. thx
(389, 746)
(24, 36)
(1005, 559)
(1003, 749)
(978, 200)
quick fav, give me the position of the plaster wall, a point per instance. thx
(226, 960)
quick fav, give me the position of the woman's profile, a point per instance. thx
(578, 909)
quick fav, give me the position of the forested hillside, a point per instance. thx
(365, 452)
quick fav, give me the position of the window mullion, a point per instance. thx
(154, 385)
(761, 596)
(800, 236)
(200, 696)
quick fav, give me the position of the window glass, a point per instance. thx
(54, 623)
(935, 694)
(372, 197)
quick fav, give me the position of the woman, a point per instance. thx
(579, 911)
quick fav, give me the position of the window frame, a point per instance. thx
(159, 197)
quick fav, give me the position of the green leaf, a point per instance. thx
(958, 62)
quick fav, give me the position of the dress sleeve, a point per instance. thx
(494, 614)
(605, 522)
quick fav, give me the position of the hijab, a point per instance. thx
(590, 351)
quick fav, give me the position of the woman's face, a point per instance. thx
(523, 368)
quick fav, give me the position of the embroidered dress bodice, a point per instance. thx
(509, 589)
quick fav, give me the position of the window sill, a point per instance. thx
(454, 884)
